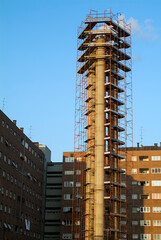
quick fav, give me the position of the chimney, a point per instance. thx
(156, 144)
(36, 144)
(137, 144)
(21, 129)
(14, 121)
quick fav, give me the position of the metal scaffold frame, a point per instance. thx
(103, 125)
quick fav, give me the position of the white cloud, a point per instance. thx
(136, 58)
(145, 31)
(135, 27)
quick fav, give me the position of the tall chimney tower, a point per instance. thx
(103, 74)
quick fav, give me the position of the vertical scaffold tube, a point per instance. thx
(99, 140)
(89, 216)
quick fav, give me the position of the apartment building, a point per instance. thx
(143, 179)
(47, 160)
(52, 222)
(21, 183)
(72, 195)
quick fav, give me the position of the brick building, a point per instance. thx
(21, 183)
(142, 210)
(143, 179)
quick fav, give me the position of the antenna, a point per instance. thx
(3, 104)
(30, 132)
(141, 135)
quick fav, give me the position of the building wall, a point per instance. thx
(21, 182)
(72, 186)
(143, 170)
(53, 201)
(47, 159)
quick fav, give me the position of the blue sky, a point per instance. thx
(38, 66)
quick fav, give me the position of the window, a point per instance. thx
(123, 171)
(123, 197)
(1, 207)
(77, 209)
(144, 196)
(77, 235)
(8, 176)
(78, 184)
(122, 160)
(3, 123)
(123, 184)
(143, 170)
(68, 184)
(134, 223)
(2, 190)
(11, 179)
(5, 158)
(78, 196)
(143, 158)
(67, 236)
(123, 236)
(9, 210)
(0, 154)
(123, 210)
(157, 223)
(10, 195)
(14, 196)
(134, 183)
(68, 172)
(123, 222)
(78, 172)
(26, 145)
(67, 209)
(2, 139)
(67, 196)
(156, 195)
(155, 170)
(156, 209)
(155, 158)
(5, 209)
(77, 222)
(156, 183)
(69, 159)
(6, 193)
(134, 158)
(22, 141)
(143, 183)
(79, 159)
(67, 222)
(156, 236)
(145, 209)
(145, 236)
(134, 196)
(135, 210)
(4, 173)
(145, 223)
(133, 171)
(134, 236)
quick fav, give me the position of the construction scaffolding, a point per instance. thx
(103, 125)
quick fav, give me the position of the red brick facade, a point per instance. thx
(21, 181)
